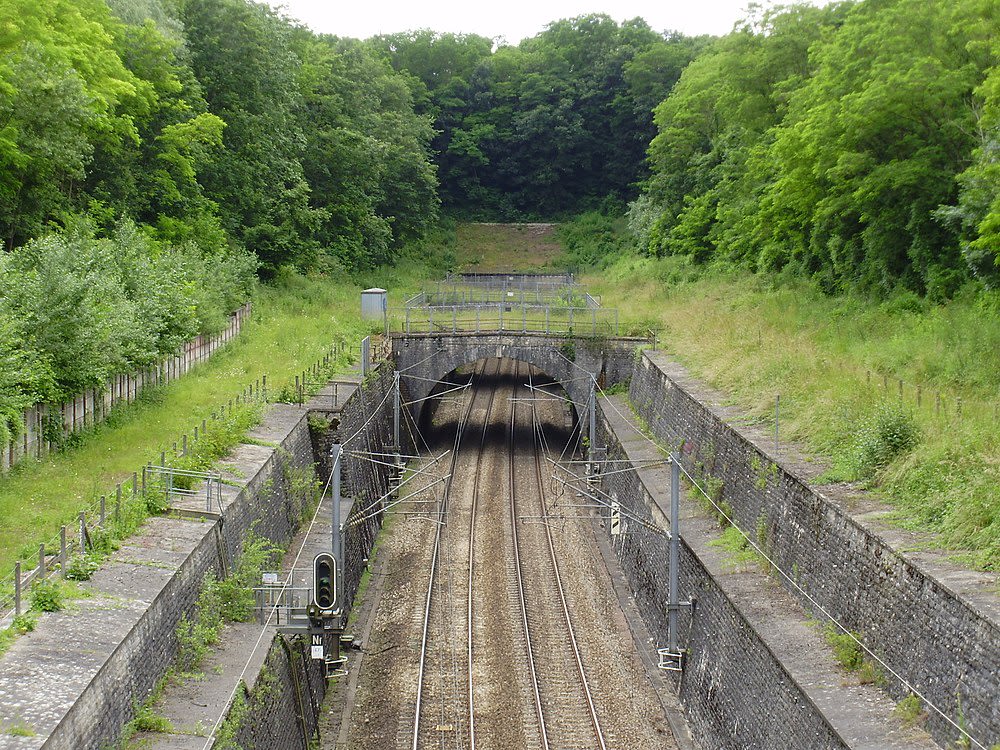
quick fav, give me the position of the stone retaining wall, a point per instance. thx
(282, 710)
(264, 504)
(736, 693)
(938, 641)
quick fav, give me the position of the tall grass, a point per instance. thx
(837, 363)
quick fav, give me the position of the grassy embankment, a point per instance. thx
(837, 363)
(294, 323)
(486, 248)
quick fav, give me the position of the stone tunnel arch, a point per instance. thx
(425, 359)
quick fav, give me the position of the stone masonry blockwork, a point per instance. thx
(930, 636)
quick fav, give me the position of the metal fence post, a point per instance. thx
(17, 588)
(673, 598)
(777, 405)
(62, 550)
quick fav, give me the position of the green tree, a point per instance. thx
(241, 53)
(870, 148)
(707, 170)
(63, 81)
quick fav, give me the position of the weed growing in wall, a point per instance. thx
(225, 738)
(197, 633)
(228, 600)
(848, 653)
(236, 591)
(740, 553)
(910, 711)
(145, 718)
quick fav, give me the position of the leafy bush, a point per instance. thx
(910, 710)
(887, 433)
(82, 567)
(593, 239)
(47, 596)
(76, 309)
(846, 649)
(236, 592)
(147, 720)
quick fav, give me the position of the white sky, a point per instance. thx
(511, 19)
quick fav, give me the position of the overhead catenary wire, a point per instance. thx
(435, 395)
(372, 416)
(425, 359)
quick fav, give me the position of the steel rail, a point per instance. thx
(557, 577)
(472, 552)
(536, 690)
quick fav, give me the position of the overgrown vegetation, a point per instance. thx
(740, 554)
(837, 362)
(230, 599)
(295, 321)
(146, 173)
(848, 653)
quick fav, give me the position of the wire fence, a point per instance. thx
(935, 402)
(567, 297)
(529, 281)
(526, 318)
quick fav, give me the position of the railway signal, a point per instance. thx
(325, 582)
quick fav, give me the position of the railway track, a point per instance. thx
(444, 710)
(500, 664)
(507, 637)
(564, 703)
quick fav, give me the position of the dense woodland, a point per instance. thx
(156, 156)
